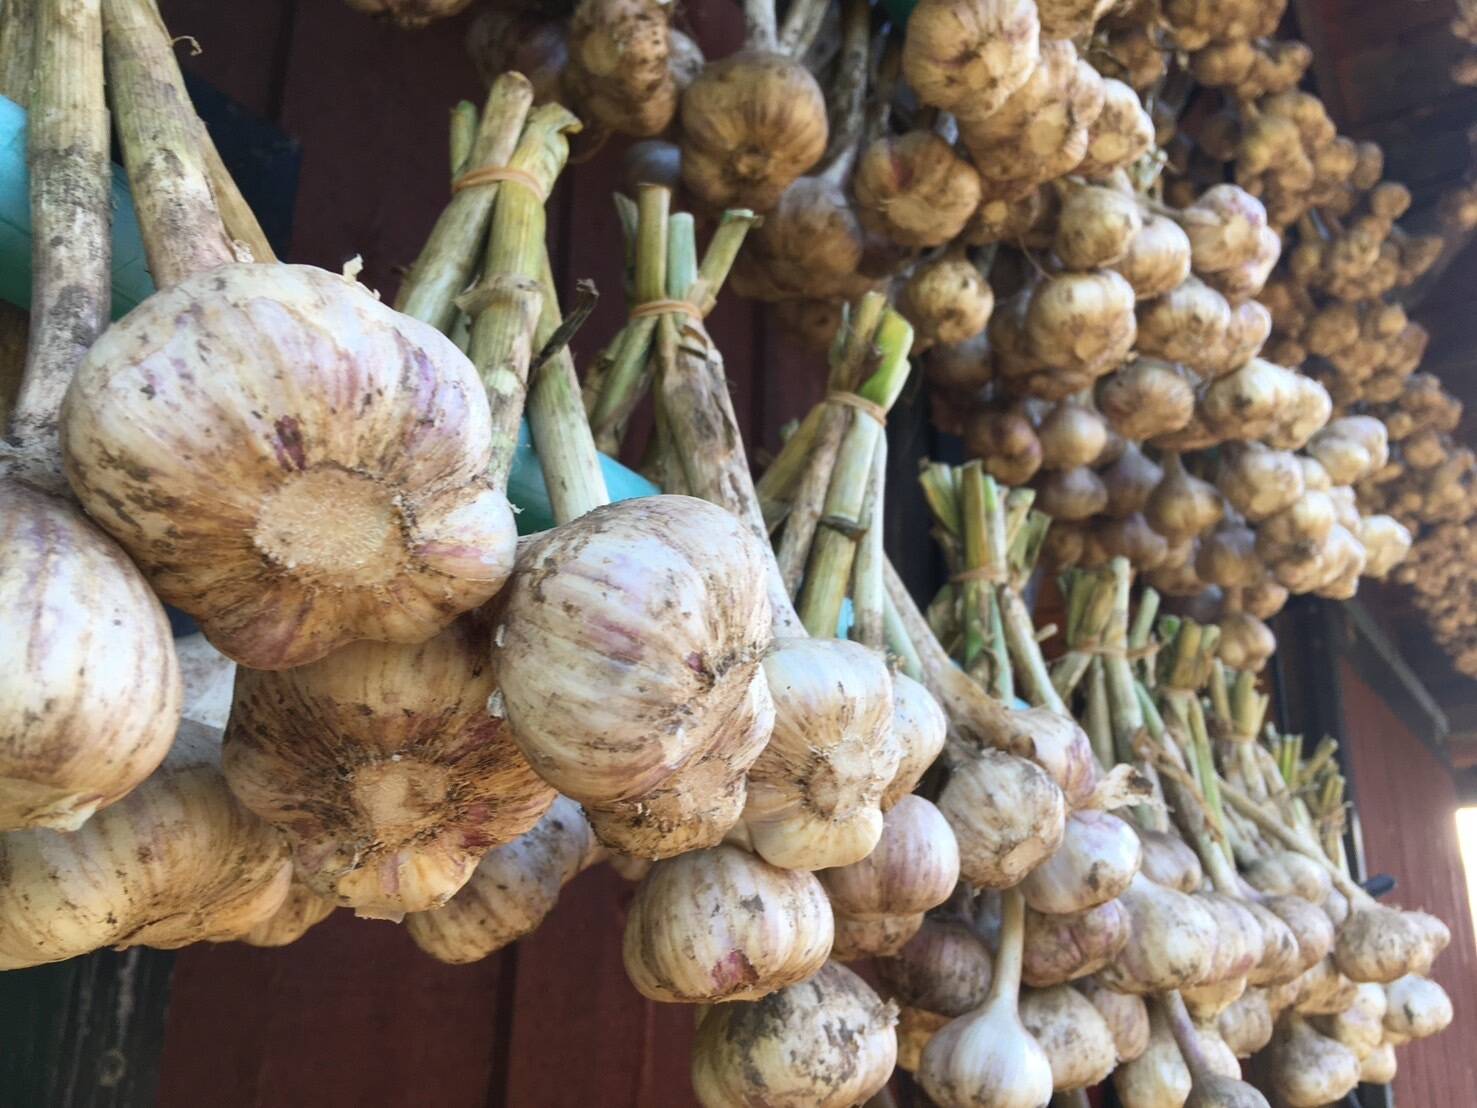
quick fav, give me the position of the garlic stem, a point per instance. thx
(868, 623)
(1006, 983)
(71, 214)
(178, 215)
(1295, 840)
(776, 485)
(17, 41)
(464, 123)
(447, 261)
(1172, 1005)
(898, 641)
(761, 32)
(242, 227)
(848, 94)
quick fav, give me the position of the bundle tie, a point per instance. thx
(491, 174)
(990, 575)
(667, 306)
(860, 403)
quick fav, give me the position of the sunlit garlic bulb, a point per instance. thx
(1416, 1007)
(1082, 321)
(1127, 1017)
(947, 300)
(328, 486)
(1065, 948)
(1306, 1069)
(1095, 227)
(722, 924)
(1246, 1024)
(1097, 859)
(1158, 258)
(512, 890)
(1121, 134)
(626, 650)
(944, 968)
(411, 779)
(89, 684)
(815, 792)
(1172, 941)
(177, 861)
(828, 1042)
(1008, 816)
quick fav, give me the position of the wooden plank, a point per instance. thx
(352, 1014)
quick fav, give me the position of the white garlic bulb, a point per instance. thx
(828, 1042)
(177, 861)
(411, 780)
(919, 729)
(723, 924)
(512, 890)
(1007, 814)
(89, 685)
(291, 462)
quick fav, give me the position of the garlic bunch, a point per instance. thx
(511, 891)
(815, 791)
(626, 652)
(827, 1042)
(913, 867)
(721, 925)
(177, 861)
(90, 687)
(987, 1058)
(412, 781)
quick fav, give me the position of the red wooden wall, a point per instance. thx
(354, 1014)
(1407, 803)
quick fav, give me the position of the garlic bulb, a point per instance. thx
(722, 924)
(752, 123)
(1146, 398)
(1416, 1007)
(944, 968)
(1082, 322)
(286, 524)
(619, 65)
(1249, 401)
(1076, 1039)
(1159, 1078)
(1065, 948)
(411, 780)
(1130, 481)
(1238, 943)
(1126, 1015)
(1182, 505)
(987, 1059)
(301, 910)
(970, 56)
(1288, 873)
(1306, 1069)
(1378, 1067)
(815, 791)
(511, 891)
(1386, 542)
(1226, 556)
(1157, 260)
(1258, 481)
(1282, 957)
(1246, 1024)
(1203, 1055)
(1071, 494)
(1007, 814)
(1172, 941)
(947, 300)
(625, 649)
(411, 14)
(1309, 926)
(825, 1043)
(918, 731)
(1377, 943)
(1224, 226)
(1098, 858)
(1120, 135)
(1168, 860)
(856, 938)
(914, 866)
(177, 861)
(1095, 227)
(1360, 1026)
(1006, 442)
(1071, 435)
(914, 190)
(89, 684)
(1184, 323)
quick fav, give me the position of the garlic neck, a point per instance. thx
(1006, 985)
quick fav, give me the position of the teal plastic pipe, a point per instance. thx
(131, 284)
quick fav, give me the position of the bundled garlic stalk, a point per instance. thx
(90, 696)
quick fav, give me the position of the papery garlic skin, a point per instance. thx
(291, 462)
(512, 890)
(89, 684)
(828, 1042)
(815, 793)
(627, 645)
(408, 779)
(177, 861)
(722, 924)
